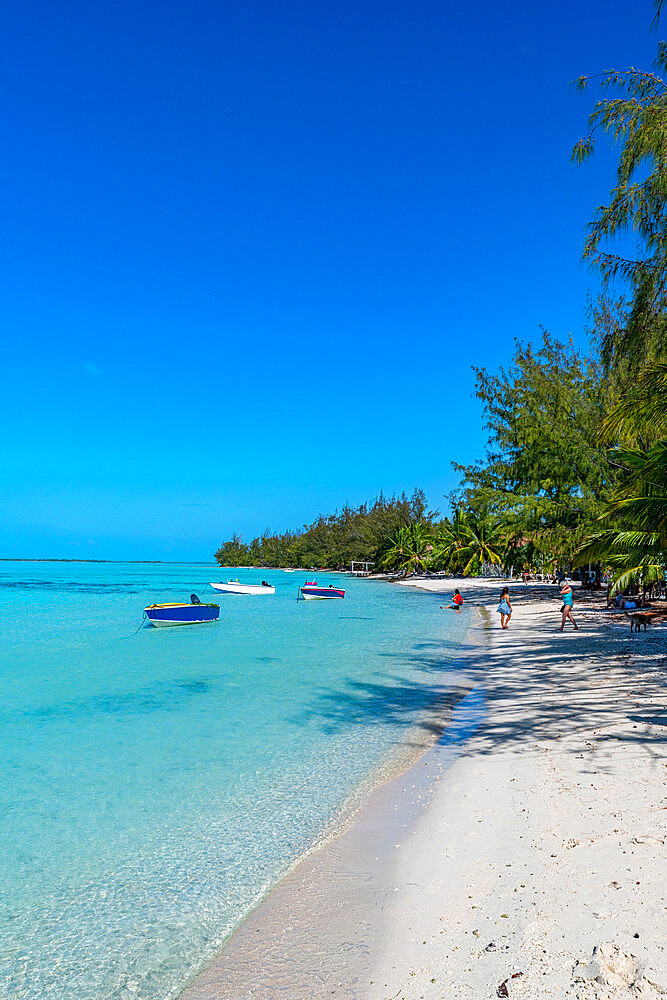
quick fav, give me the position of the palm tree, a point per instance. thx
(480, 544)
(636, 544)
(641, 413)
(410, 550)
(635, 539)
(445, 542)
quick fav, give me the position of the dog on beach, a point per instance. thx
(637, 619)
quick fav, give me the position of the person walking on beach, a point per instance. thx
(505, 608)
(568, 604)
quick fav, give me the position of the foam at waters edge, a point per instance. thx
(154, 786)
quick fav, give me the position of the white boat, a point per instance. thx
(234, 587)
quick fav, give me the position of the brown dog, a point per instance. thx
(637, 619)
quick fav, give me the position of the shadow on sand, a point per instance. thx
(538, 683)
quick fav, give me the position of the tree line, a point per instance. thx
(333, 541)
(575, 470)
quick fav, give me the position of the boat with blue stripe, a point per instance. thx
(194, 613)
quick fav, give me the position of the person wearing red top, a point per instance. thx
(455, 603)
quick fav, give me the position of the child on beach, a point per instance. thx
(505, 608)
(455, 603)
(568, 604)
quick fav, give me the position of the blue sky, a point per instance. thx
(252, 250)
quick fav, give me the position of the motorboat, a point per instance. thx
(194, 613)
(311, 592)
(235, 587)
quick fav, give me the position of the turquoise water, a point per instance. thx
(156, 784)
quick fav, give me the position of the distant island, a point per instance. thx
(31, 559)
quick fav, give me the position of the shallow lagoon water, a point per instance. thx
(155, 783)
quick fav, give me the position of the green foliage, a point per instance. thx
(544, 475)
(398, 534)
(631, 531)
(464, 544)
(641, 413)
(410, 550)
(636, 120)
(633, 538)
(481, 544)
(451, 536)
(233, 552)
(360, 533)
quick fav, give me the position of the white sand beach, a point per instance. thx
(521, 855)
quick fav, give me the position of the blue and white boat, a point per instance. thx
(194, 613)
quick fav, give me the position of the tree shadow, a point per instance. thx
(403, 705)
(538, 685)
(556, 687)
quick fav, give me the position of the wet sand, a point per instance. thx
(529, 835)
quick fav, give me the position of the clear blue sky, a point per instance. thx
(251, 251)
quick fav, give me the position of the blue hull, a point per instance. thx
(182, 614)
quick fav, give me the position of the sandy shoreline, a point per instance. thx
(531, 833)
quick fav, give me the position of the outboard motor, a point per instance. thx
(194, 599)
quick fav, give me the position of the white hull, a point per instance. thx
(242, 588)
(214, 621)
(320, 597)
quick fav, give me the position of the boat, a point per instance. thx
(311, 592)
(234, 587)
(194, 613)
